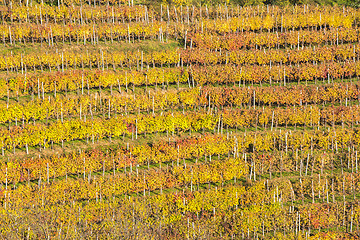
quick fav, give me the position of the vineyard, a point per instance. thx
(121, 119)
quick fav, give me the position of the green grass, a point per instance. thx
(146, 46)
